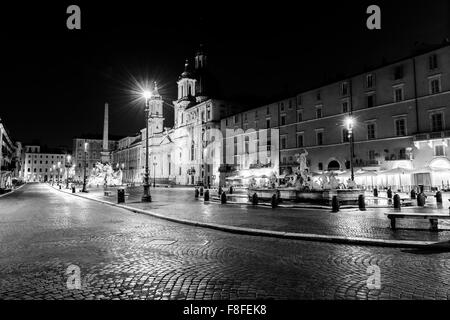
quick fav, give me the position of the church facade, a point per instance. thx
(184, 154)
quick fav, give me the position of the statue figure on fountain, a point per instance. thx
(103, 174)
(301, 173)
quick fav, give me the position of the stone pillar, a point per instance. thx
(105, 155)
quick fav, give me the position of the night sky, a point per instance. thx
(55, 81)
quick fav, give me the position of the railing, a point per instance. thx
(432, 135)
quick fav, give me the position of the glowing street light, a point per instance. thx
(85, 163)
(349, 122)
(146, 197)
(68, 159)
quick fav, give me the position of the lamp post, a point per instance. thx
(54, 174)
(85, 160)
(59, 172)
(68, 159)
(154, 175)
(350, 122)
(146, 197)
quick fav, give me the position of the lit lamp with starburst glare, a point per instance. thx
(146, 197)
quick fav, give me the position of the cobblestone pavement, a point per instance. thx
(181, 203)
(123, 255)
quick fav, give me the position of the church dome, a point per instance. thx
(186, 73)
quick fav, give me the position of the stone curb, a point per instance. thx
(277, 234)
(6, 194)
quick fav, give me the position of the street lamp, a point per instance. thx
(146, 197)
(154, 175)
(54, 173)
(349, 123)
(68, 159)
(59, 172)
(85, 162)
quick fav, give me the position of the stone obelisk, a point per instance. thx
(105, 150)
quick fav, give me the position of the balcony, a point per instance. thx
(432, 135)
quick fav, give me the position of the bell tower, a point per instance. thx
(201, 74)
(155, 103)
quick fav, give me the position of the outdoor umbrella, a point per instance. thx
(398, 171)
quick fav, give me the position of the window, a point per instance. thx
(299, 140)
(371, 155)
(371, 131)
(208, 117)
(268, 111)
(34, 169)
(432, 62)
(436, 122)
(344, 106)
(268, 123)
(300, 116)
(400, 127)
(345, 137)
(370, 101)
(236, 118)
(283, 142)
(370, 81)
(435, 86)
(299, 100)
(439, 151)
(318, 112)
(282, 106)
(398, 72)
(192, 151)
(283, 120)
(344, 88)
(318, 96)
(320, 166)
(319, 138)
(29, 169)
(398, 94)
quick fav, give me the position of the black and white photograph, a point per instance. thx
(225, 151)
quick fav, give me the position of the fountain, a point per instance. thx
(304, 186)
(103, 174)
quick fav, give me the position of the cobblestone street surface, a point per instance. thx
(373, 223)
(124, 255)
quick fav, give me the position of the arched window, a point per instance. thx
(334, 165)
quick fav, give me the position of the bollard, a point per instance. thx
(278, 196)
(274, 201)
(196, 193)
(361, 202)
(206, 196)
(223, 198)
(335, 204)
(397, 204)
(438, 197)
(73, 189)
(421, 200)
(231, 190)
(413, 194)
(389, 193)
(59, 187)
(219, 191)
(120, 195)
(375, 192)
(255, 199)
(201, 191)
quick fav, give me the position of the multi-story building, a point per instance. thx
(400, 119)
(88, 150)
(43, 164)
(128, 157)
(178, 155)
(8, 159)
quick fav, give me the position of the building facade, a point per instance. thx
(41, 165)
(89, 155)
(179, 155)
(400, 115)
(9, 160)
